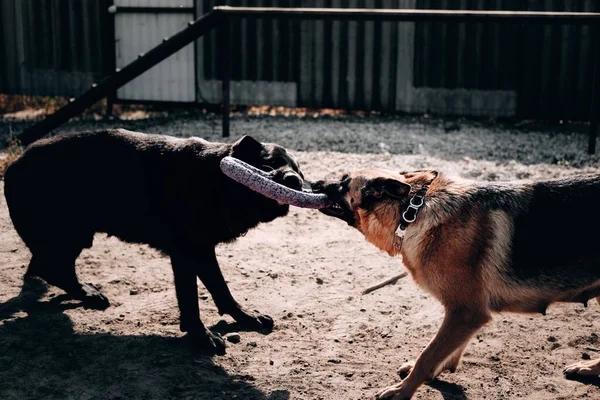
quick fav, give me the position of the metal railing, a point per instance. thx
(221, 16)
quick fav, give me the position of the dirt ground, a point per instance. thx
(307, 271)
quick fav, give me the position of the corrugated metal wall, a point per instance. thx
(265, 50)
(350, 65)
(53, 47)
(532, 71)
(59, 47)
(155, 3)
(549, 67)
(354, 65)
(171, 80)
(266, 67)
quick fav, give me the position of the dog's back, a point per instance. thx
(532, 243)
(551, 224)
(555, 243)
(118, 182)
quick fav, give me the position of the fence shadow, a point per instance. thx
(43, 357)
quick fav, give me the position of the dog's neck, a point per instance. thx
(409, 209)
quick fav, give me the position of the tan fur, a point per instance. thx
(457, 252)
(379, 226)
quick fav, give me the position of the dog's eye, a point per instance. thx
(351, 200)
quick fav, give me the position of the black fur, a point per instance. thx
(166, 192)
(556, 236)
(554, 224)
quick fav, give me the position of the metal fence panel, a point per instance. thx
(172, 79)
(266, 64)
(352, 64)
(59, 47)
(155, 3)
(52, 47)
(548, 67)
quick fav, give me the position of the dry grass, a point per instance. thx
(13, 150)
(14, 103)
(22, 107)
(301, 112)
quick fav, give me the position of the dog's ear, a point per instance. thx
(247, 147)
(392, 187)
(425, 174)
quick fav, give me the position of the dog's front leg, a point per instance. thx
(459, 324)
(449, 364)
(186, 289)
(209, 272)
(589, 368)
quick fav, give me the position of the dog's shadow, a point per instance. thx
(43, 357)
(586, 380)
(449, 391)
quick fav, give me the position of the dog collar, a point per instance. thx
(410, 214)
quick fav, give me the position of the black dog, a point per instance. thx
(163, 191)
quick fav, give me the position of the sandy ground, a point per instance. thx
(305, 270)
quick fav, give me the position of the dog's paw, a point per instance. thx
(208, 341)
(394, 392)
(583, 368)
(92, 298)
(405, 369)
(254, 320)
(216, 343)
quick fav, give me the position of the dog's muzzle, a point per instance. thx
(292, 180)
(337, 206)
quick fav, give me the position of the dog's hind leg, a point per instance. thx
(588, 368)
(460, 323)
(212, 278)
(56, 265)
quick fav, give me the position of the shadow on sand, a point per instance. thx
(586, 380)
(42, 357)
(449, 391)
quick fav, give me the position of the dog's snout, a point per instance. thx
(292, 180)
(333, 190)
(317, 186)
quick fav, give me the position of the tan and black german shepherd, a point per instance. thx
(478, 248)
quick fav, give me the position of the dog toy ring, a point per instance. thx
(261, 182)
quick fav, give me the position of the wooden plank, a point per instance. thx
(333, 63)
(391, 66)
(405, 56)
(10, 20)
(362, 14)
(305, 81)
(352, 60)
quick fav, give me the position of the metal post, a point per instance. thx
(225, 54)
(110, 101)
(111, 56)
(595, 93)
